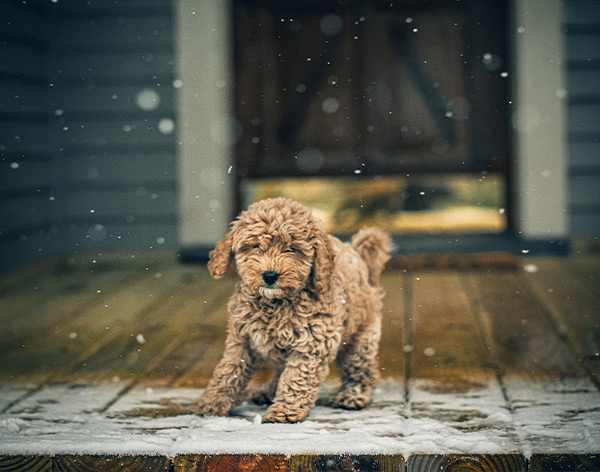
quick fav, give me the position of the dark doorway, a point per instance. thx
(405, 103)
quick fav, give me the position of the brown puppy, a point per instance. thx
(304, 299)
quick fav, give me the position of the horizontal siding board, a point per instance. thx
(121, 132)
(29, 175)
(23, 212)
(23, 98)
(584, 156)
(583, 82)
(585, 225)
(103, 236)
(118, 98)
(88, 128)
(119, 33)
(137, 201)
(582, 26)
(138, 8)
(585, 190)
(67, 83)
(582, 12)
(16, 58)
(584, 118)
(100, 65)
(583, 47)
(23, 21)
(141, 186)
(137, 168)
(24, 138)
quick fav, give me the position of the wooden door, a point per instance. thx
(371, 88)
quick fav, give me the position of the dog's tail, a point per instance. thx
(373, 245)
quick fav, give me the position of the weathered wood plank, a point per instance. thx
(10, 394)
(146, 323)
(447, 349)
(556, 416)
(210, 331)
(121, 314)
(25, 463)
(553, 410)
(51, 300)
(48, 350)
(391, 352)
(199, 324)
(227, 463)
(110, 463)
(52, 340)
(452, 384)
(564, 462)
(587, 265)
(555, 406)
(524, 342)
(467, 463)
(380, 429)
(147, 402)
(349, 463)
(64, 403)
(572, 300)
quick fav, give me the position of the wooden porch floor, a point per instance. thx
(494, 367)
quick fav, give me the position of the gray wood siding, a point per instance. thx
(87, 139)
(582, 27)
(119, 176)
(28, 218)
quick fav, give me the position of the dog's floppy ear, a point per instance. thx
(220, 256)
(323, 263)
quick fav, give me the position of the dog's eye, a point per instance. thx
(290, 249)
(256, 246)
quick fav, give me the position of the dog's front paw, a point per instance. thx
(279, 413)
(351, 399)
(211, 406)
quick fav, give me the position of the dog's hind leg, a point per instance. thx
(357, 365)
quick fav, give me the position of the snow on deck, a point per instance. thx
(561, 416)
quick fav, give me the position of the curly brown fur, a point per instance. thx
(304, 299)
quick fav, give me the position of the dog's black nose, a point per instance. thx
(270, 277)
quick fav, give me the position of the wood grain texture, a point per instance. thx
(447, 350)
(52, 298)
(467, 463)
(571, 296)
(131, 330)
(476, 324)
(391, 355)
(346, 463)
(227, 463)
(525, 343)
(110, 464)
(111, 329)
(25, 464)
(564, 463)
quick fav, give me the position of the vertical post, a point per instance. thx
(540, 119)
(206, 126)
